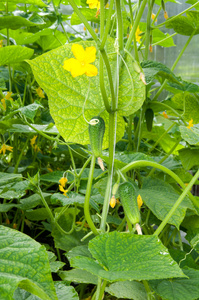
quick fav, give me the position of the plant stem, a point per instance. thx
(119, 25)
(148, 30)
(84, 20)
(108, 24)
(110, 170)
(173, 110)
(135, 25)
(181, 13)
(87, 197)
(177, 203)
(142, 163)
(174, 65)
(161, 137)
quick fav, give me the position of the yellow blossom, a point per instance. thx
(32, 141)
(107, 5)
(165, 115)
(165, 15)
(63, 190)
(190, 124)
(93, 4)
(137, 35)
(40, 92)
(3, 103)
(96, 30)
(139, 201)
(153, 17)
(150, 48)
(112, 201)
(5, 147)
(8, 96)
(1, 43)
(81, 64)
(63, 181)
(84, 28)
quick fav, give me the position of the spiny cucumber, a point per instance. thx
(96, 133)
(129, 202)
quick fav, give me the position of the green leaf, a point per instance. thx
(7, 177)
(67, 241)
(152, 68)
(180, 288)
(24, 263)
(37, 214)
(162, 39)
(30, 110)
(185, 25)
(128, 289)
(14, 54)
(27, 129)
(90, 15)
(67, 94)
(51, 41)
(185, 104)
(160, 197)
(189, 158)
(35, 2)
(79, 276)
(125, 157)
(193, 238)
(190, 135)
(65, 292)
(125, 256)
(15, 22)
(183, 86)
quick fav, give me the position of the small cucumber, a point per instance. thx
(129, 202)
(149, 115)
(96, 133)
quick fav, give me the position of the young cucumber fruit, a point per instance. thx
(129, 202)
(96, 133)
(149, 115)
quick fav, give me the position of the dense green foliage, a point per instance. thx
(105, 211)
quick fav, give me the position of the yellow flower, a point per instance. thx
(81, 64)
(93, 4)
(32, 141)
(1, 43)
(63, 190)
(139, 201)
(153, 17)
(40, 92)
(4, 148)
(3, 103)
(190, 124)
(137, 35)
(8, 96)
(63, 181)
(165, 15)
(112, 201)
(165, 115)
(96, 30)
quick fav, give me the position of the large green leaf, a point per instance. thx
(67, 94)
(15, 22)
(189, 158)
(24, 263)
(80, 276)
(185, 104)
(14, 54)
(128, 289)
(190, 135)
(185, 25)
(152, 68)
(125, 256)
(180, 288)
(35, 2)
(160, 197)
